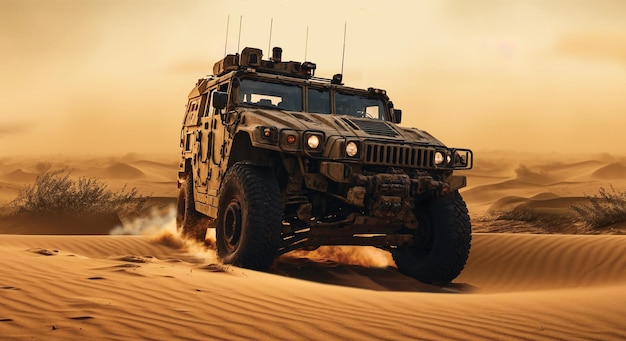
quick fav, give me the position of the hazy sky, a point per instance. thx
(96, 76)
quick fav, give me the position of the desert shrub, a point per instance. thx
(55, 193)
(517, 213)
(532, 216)
(604, 209)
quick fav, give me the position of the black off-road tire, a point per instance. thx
(189, 222)
(249, 217)
(442, 242)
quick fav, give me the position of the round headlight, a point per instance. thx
(313, 141)
(439, 158)
(352, 149)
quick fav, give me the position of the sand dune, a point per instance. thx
(547, 206)
(611, 171)
(156, 288)
(157, 171)
(121, 170)
(19, 175)
(155, 178)
(62, 225)
(146, 283)
(526, 183)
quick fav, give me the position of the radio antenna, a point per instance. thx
(343, 55)
(226, 39)
(306, 42)
(269, 44)
(239, 39)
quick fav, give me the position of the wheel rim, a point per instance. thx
(232, 225)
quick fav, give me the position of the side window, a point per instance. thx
(191, 117)
(210, 111)
(188, 141)
(202, 108)
(208, 108)
(319, 101)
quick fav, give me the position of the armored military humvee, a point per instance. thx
(276, 159)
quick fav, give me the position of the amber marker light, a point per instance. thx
(291, 139)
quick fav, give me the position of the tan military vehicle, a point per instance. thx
(276, 160)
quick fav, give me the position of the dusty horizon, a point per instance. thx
(111, 77)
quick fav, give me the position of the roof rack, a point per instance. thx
(252, 58)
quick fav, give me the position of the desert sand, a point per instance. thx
(140, 280)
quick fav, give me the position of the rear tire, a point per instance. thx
(441, 243)
(249, 217)
(189, 222)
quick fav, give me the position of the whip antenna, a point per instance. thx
(269, 44)
(343, 55)
(226, 39)
(306, 42)
(239, 39)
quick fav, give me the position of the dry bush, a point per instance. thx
(551, 222)
(603, 209)
(517, 213)
(529, 218)
(55, 193)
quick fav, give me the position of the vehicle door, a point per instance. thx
(201, 160)
(217, 143)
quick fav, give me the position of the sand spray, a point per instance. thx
(160, 227)
(366, 256)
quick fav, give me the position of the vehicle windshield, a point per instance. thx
(270, 95)
(289, 97)
(359, 106)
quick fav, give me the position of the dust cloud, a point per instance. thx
(160, 228)
(365, 256)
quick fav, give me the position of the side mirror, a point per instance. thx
(220, 99)
(397, 116)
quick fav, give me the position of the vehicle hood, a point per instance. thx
(337, 125)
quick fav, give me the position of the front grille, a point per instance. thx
(398, 156)
(373, 127)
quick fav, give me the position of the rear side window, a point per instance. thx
(191, 116)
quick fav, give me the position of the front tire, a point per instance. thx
(189, 222)
(441, 243)
(249, 217)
